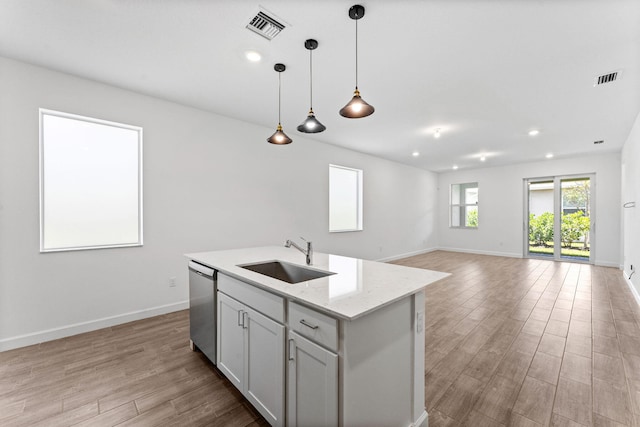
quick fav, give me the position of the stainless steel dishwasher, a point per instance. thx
(202, 309)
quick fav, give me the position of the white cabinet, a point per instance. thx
(231, 340)
(251, 355)
(364, 371)
(316, 326)
(312, 387)
(367, 371)
(265, 366)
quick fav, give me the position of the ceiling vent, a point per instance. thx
(266, 24)
(608, 78)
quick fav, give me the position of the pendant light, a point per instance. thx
(279, 137)
(357, 107)
(311, 124)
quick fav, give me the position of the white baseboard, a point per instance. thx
(517, 255)
(633, 289)
(608, 264)
(407, 255)
(91, 325)
(422, 421)
(480, 252)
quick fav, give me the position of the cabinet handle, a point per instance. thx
(308, 325)
(244, 323)
(241, 318)
(291, 344)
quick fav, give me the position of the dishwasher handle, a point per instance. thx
(201, 270)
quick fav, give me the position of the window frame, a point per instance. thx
(359, 201)
(42, 112)
(462, 206)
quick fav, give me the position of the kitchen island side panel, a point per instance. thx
(377, 367)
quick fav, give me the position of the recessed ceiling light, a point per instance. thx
(437, 133)
(455, 167)
(483, 158)
(534, 132)
(549, 155)
(415, 154)
(253, 56)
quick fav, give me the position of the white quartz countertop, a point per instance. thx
(357, 287)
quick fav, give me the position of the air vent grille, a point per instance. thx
(265, 25)
(601, 141)
(608, 78)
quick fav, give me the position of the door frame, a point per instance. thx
(557, 207)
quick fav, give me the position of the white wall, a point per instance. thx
(501, 205)
(209, 183)
(541, 201)
(631, 217)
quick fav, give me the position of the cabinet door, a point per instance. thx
(231, 346)
(265, 366)
(312, 392)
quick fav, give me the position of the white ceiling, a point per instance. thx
(483, 71)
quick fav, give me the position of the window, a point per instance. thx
(345, 199)
(90, 183)
(464, 205)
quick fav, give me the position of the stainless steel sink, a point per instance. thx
(287, 272)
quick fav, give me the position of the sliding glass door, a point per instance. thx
(575, 224)
(560, 218)
(540, 218)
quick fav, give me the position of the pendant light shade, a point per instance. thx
(357, 107)
(311, 124)
(279, 137)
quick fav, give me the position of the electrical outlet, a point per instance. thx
(420, 322)
(172, 282)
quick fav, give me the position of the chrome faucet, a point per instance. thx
(308, 252)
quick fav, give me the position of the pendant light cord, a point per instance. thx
(310, 79)
(279, 95)
(356, 53)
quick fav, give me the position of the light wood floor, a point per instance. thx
(510, 342)
(521, 342)
(137, 374)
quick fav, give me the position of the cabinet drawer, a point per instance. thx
(314, 325)
(269, 304)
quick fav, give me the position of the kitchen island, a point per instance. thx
(346, 349)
